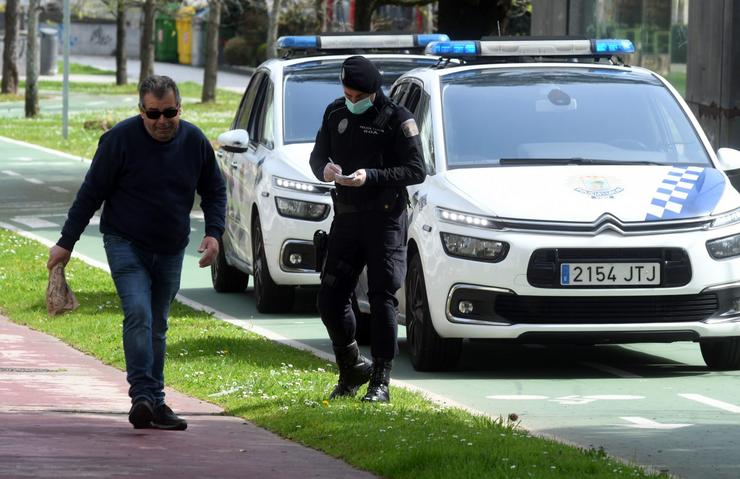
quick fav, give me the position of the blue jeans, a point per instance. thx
(146, 283)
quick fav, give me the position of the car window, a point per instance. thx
(266, 125)
(311, 86)
(542, 114)
(426, 136)
(398, 92)
(255, 123)
(250, 95)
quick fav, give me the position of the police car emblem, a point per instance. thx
(342, 126)
(409, 128)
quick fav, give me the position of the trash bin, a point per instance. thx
(165, 34)
(198, 58)
(184, 24)
(48, 63)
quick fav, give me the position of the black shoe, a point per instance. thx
(354, 371)
(141, 413)
(164, 418)
(377, 390)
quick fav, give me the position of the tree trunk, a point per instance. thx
(210, 71)
(364, 14)
(10, 50)
(32, 60)
(321, 20)
(121, 76)
(272, 28)
(146, 47)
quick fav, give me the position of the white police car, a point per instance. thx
(274, 201)
(570, 198)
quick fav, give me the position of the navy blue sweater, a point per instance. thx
(149, 188)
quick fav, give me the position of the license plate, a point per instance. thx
(609, 274)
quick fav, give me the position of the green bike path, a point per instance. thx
(654, 404)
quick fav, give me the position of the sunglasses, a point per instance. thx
(155, 114)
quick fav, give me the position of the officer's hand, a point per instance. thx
(355, 179)
(209, 248)
(57, 255)
(330, 170)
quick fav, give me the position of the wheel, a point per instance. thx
(226, 278)
(269, 297)
(362, 324)
(428, 351)
(722, 354)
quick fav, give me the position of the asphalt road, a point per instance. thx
(656, 405)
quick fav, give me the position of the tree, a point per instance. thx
(272, 29)
(10, 54)
(146, 46)
(32, 59)
(210, 72)
(321, 18)
(121, 77)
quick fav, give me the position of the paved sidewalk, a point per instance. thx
(64, 414)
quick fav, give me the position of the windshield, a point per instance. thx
(311, 86)
(537, 116)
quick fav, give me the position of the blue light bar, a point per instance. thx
(298, 42)
(426, 39)
(612, 46)
(460, 48)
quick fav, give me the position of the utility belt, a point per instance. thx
(387, 201)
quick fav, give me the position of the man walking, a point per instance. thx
(146, 171)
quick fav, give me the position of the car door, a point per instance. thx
(260, 128)
(239, 205)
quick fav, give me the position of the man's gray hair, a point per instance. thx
(158, 85)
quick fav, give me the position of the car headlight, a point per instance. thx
(304, 210)
(303, 186)
(474, 248)
(724, 247)
(460, 218)
(726, 219)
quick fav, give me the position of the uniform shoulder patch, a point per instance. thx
(409, 128)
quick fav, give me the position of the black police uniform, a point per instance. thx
(370, 221)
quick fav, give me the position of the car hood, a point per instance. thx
(585, 192)
(295, 159)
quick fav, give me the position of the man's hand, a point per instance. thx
(355, 179)
(330, 170)
(209, 248)
(57, 255)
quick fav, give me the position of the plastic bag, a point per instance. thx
(59, 296)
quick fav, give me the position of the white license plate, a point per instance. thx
(609, 274)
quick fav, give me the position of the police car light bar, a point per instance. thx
(341, 42)
(515, 48)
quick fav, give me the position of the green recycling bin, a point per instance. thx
(165, 39)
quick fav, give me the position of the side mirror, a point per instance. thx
(729, 159)
(234, 141)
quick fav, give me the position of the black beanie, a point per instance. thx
(360, 74)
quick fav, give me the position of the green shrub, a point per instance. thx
(237, 51)
(260, 54)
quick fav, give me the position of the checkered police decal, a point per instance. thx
(686, 192)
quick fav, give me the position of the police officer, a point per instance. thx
(370, 148)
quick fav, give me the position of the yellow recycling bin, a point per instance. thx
(184, 25)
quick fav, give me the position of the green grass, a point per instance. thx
(85, 128)
(678, 80)
(79, 69)
(284, 389)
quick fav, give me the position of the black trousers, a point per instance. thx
(376, 239)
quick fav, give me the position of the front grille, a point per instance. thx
(606, 309)
(544, 264)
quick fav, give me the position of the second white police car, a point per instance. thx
(274, 203)
(570, 198)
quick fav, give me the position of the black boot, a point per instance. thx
(377, 390)
(354, 371)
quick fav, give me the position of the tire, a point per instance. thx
(428, 351)
(224, 277)
(722, 354)
(268, 296)
(363, 334)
